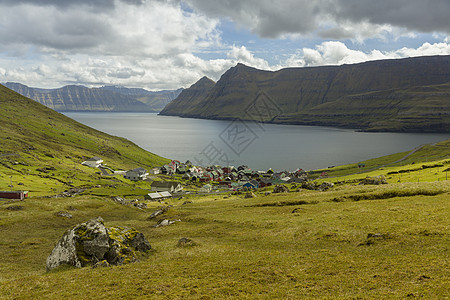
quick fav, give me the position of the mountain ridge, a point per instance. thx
(299, 92)
(107, 98)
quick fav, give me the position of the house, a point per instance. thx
(157, 196)
(155, 171)
(93, 162)
(205, 189)
(20, 195)
(136, 174)
(166, 186)
(263, 182)
(249, 185)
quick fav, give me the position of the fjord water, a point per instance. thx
(261, 146)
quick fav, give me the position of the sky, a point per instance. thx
(168, 44)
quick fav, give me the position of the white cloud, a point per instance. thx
(337, 53)
(242, 55)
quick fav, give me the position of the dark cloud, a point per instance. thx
(272, 19)
(105, 4)
(420, 15)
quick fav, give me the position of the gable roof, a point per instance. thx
(165, 184)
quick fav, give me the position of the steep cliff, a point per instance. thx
(353, 96)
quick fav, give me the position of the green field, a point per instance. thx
(353, 241)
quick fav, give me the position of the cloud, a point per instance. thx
(339, 19)
(242, 55)
(337, 53)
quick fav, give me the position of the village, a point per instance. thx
(177, 178)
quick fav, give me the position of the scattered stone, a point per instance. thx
(91, 243)
(249, 195)
(267, 193)
(165, 222)
(71, 208)
(325, 186)
(49, 155)
(140, 205)
(373, 180)
(279, 188)
(187, 202)
(15, 207)
(376, 235)
(101, 264)
(186, 242)
(161, 210)
(296, 210)
(20, 183)
(64, 214)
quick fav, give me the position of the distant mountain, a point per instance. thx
(155, 100)
(80, 98)
(189, 98)
(387, 95)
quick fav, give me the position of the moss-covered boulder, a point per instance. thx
(91, 242)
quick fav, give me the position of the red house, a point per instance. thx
(14, 194)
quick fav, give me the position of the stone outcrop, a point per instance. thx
(280, 188)
(90, 243)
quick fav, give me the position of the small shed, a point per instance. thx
(93, 162)
(166, 186)
(19, 195)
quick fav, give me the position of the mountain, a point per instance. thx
(155, 100)
(80, 98)
(387, 95)
(36, 135)
(190, 97)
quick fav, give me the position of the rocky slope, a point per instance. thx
(387, 95)
(108, 98)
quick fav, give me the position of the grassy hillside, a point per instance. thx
(296, 245)
(34, 137)
(353, 241)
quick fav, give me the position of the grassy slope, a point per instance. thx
(246, 250)
(253, 248)
(33, 136)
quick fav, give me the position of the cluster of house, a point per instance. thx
(227, 177)
(230, 176)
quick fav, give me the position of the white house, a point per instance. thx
(166, 186)
(93, 162)
(136, 174)
(205, 189)
(155, 171)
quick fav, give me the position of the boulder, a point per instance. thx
(279, 188)
(91, 242)
(249, 195)
(186, 242)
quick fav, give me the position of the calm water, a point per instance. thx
(261, 146)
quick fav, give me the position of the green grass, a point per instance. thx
(307, 244)
(246, 249)
(33, 137)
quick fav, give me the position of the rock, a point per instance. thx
(279, 188)
(267, 193)
(119, 200)
(325, 186)
(186, 242)
(64, 214)
(91, 243)
(164, 222)
(161, 210)
(187, 202)
(376, 235)
(249, 195)
(296, 210)
(101, 264)
(373, 180)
